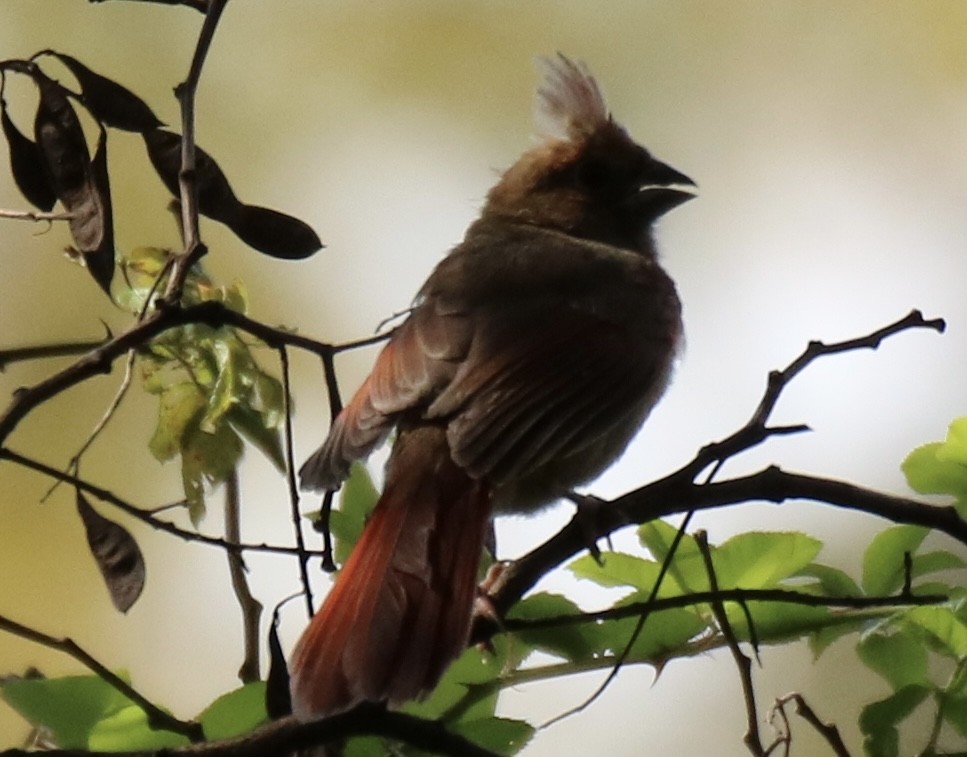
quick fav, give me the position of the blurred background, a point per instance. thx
(828, 141)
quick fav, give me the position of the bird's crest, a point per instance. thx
(569, 104)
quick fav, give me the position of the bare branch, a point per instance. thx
(742, 661)
(198, 5)
(195, 250)
(157, 718)
(250, 606)
(827, 730)
(58, 349)
(293, 486)
(783, 596)
(100, 359)
(755, 430)
(33, 215)
(288, 735)
(145, 516)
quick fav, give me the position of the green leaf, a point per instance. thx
(500, 735)
(128, 730)
(935, 562)
(833, 581)
(618, 569)
(571, 641)
(940, 467)
(898, 657)
(758, 559)
(883, 568)
(776, 622)
(945, 627)
(224, 395)
(69, 707)
(357, 500)
(665, 635)
(687, 570)
(235, 713)
(955, 713)
(178, 407)
(252, 426)
(206, 458)
(879, 720)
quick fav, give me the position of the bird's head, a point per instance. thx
(586, 177)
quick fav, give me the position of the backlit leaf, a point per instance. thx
(883, 564)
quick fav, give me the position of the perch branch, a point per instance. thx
(287, 735)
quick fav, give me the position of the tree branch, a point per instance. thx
(145, 516)
(100, 359)
(157, 718)
(288, 735)
(251, 608)
(195, 250)
(742, 661)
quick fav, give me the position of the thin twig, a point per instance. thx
(58, 349)
(643, 615)
(199, 5)
(756, 431)
(292, 485)
(744, 664)
(33, 215)
(145, 516)
(157, 717)
(827, 730)
(187, 176)
(781, 596)
(251, 608)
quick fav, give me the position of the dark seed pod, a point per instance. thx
(216, 200)
(61, 141)
(27, 165)
(275, 233)
(81, 186)
(116, 553)
(268, 231)
(109, 102)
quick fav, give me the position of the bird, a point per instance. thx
(531, 357)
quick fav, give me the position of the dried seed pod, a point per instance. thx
(268, 231)
(215, 196)
(275, 233)
(27, 165)
(117, 555)
(109, 102)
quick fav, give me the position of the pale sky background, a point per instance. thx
(828, 142)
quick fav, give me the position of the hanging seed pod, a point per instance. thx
(109, 102)
(116, 553)
(268, 231)
(27, 165)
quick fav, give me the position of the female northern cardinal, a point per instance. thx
(535, 351)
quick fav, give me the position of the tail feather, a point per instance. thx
(401, 609)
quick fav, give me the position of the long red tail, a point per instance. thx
(400, 611)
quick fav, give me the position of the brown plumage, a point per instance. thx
(536, 349)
